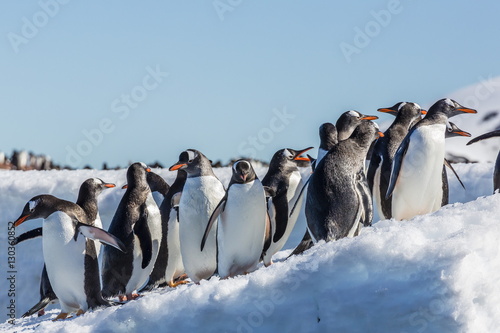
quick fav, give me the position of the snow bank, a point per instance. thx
(434, 273)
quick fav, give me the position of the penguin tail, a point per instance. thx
(305, 244)
(38, 306)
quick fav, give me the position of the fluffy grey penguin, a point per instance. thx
(496, 172)
(379, 170)
(87, 199)
(284, 180)
(169, 267)
(242, 225)
(335, 204)
(201, 194)
(137, 224)
(71, 261)
(348, 121)
(416, 182)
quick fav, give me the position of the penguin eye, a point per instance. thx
(190, 161)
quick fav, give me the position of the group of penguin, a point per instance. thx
(202, 228)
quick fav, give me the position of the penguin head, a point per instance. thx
(243, 172)
(348, 121)
(193, 162)
(136, 175)
(452, 130)
(95, 186)
(449, 108)
(286, 159)
(40, 206)
(328, 136)
(405, 112)
(365, 133)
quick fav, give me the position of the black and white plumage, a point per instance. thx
(496, 171)
(242, 225)
(201, 193)
(137, 224)
(71, 261)
(284, 180)
(335, 203)
(379, 170)
(416, 182)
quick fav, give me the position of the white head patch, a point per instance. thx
(287, 153)
(191, 154)
(376, 126)
(245, 162)
(32, 204)
(449, 102)
(97, 181)
(353, 113)
(144, 165)
(401, 106)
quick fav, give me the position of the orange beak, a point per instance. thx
(109, 185)
(467, 134)
(124, 186)
(380, 134)
(20, 220)
(467, 110)
(386, 110)
(301, 158)
(148, 169)
(177, 166)
(423, 112)
(369, 118)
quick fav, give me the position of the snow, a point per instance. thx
(434, 273)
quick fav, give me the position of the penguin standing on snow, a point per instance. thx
(201, 193)
(242, 225)
(379, 170)
(168, 266)
(335, 203)
(71, 261)
(87, 200)
(284, 180)
(416, 182)
(496, 172)
(137, 224)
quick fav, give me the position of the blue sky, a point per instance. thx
(120, 81)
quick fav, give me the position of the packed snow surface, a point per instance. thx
(433, 273)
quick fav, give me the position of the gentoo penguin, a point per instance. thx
(284, 180)
(348, 121)
(87, 200)
(242, 225)
(169, 267)
(417, 169)
(137, 224)
(335, 204)
(496, 172)
(71, 261)
(379, 170)
(201, 193)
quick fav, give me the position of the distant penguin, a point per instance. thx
(71, 261)
(335, 203)
(87, 200)
(201, 193)
(348, 121)
(416, 182)
(496, 172)
(137, 224)
(242, 225)
(379, 170)
(169, 267)
(283, 178)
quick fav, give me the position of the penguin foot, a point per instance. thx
(41, 312)
(61, 316)
(182, 277)
(129, 297)
(178, 283)
(79, 312)
(122, 298)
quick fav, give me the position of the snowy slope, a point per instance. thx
(435, 273)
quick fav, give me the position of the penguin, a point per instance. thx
(328, 138)
(87, 200)
(379, 169)
(242, 226)
(348, 121)
(169, 268)
(335, 204)
(416, 182)
(284, 180)
(201, 193)
(71, 261)
(137, 224)
(496, 171)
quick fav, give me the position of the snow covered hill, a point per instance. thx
(434, 273)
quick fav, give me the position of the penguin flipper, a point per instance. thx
(141, 230)
(305, 244)
(302, 190)
(484, 137)
(268, 235)
(375, 163)
(37, 307)
(269, 192)
(218, 210)
(448, 164)
(99, 234)
(281, 217)
(397, 162)
(37, 232)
